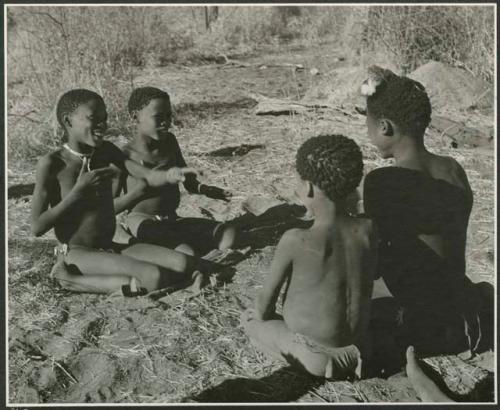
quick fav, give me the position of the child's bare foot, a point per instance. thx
(226, 257)
(180, 296)
(199, 282)
(246, 316)
(61, 273)
(59, 270)
(426, 389)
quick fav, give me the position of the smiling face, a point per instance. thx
(154, 119)
(87, 123)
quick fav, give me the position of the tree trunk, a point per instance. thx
(211, 15)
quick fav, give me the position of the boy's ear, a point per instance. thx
(133, 115)
(67, 120)
(386, 127)
(310, 193)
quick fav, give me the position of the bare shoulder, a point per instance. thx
(291, 240)
(450, 170)
(294, 235)
(50, 163)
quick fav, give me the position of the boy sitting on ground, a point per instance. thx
(74, 195)
(327, 269)
(154, 219)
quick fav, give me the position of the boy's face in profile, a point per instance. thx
(377, 136)
(87, 124)
(154, 119)
(302, 192)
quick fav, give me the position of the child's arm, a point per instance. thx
(131, 198)
(193, 186)
(155, 178)
(362, 270)
(44, 218)
(214, 192)
(281, 268)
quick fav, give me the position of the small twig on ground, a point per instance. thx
(64, 371)
(319, 397)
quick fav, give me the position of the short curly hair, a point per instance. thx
(333, 163)
(72, 99)
(401, 100)
(141, 97)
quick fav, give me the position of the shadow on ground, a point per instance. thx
(266, 229)
(482, 392)
(283, 385)
(18, 191)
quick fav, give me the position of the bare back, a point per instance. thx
(328, 292)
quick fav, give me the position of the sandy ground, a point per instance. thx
(67, 347)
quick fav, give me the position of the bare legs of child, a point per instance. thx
(153, 267)
(426, 389)
(277, 340)
(187, 235)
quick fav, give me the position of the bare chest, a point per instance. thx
(162, 157)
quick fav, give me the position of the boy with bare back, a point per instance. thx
(74, 194)
(327, 270)
(154, 219)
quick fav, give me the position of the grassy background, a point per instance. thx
(53, 49)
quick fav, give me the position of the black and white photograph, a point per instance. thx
(250, 203)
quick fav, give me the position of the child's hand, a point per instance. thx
(215, 193)
(176, 175)
(157, 178)
(92, 181)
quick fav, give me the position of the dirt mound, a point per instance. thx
(338, 86)
(452, 87)
(448, 87)
(341, 85)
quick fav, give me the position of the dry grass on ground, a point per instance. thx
(87, 348)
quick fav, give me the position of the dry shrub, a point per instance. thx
(413, 35)
(53, 49)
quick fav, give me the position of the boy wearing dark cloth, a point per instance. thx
(154, 219)
(421, 207)
(327, 270)
(74, 195)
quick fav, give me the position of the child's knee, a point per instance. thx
(225, 236)
(149, 277)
